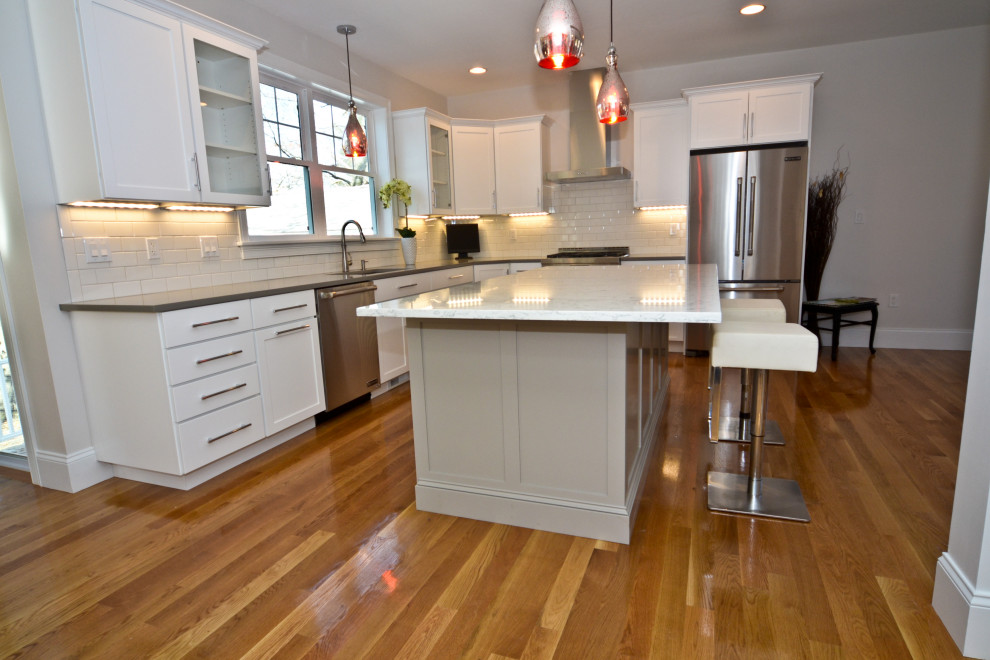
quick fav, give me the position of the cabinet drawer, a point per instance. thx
(399, 287)
(221, 432)
(441, 279)
(184, 326)
(272, 310)
(209, 357)
(202, 396)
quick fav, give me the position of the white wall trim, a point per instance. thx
(71, 472)
(931, 339)
(964, 611)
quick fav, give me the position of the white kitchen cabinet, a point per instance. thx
(291, 374)
(441, 279)
(757, 112)
(393, 353)
(522, 157)
(423, 159)
(230, 157)
(660, 153)
(519, 266)
(487, 271)
(121, 118)
(473, 153)
(178, 397)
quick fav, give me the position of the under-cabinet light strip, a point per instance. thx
(115, 205)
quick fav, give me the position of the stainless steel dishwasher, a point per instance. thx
(348, 342)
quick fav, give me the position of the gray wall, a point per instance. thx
(910, 117)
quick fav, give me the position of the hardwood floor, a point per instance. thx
(316, 549)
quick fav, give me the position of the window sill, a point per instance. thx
(260, 249)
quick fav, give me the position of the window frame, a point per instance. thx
(306, 93)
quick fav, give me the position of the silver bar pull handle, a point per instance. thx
(229, 389)
(226, 320)
(752, 213)
(288, 330)
(224, 435)
(195, 161)
(406, 286)
(493, 200)
(749, 289)
(752, 123)
(217, 357)
(454, 277)
(739, 210)
(745, 123)
(285, 309)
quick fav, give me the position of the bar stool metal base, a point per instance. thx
(779, 498)
(734, 429)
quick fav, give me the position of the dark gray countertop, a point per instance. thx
(171, 300)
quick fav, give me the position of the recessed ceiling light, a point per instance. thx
(477, 70)
(749, 10)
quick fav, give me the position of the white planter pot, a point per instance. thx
(409, 250)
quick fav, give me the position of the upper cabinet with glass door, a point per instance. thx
(422, 158)
(231, 162)
(122, 100)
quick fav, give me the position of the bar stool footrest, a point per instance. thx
(780, 498)
(732, 429)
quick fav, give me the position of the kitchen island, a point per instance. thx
(536, 397)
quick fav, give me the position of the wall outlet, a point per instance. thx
(209, 247)
(860, 217)
(895, 300)
(674, 228)
(154, 251)
(97, 250)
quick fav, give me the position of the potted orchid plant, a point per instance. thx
(402, 190)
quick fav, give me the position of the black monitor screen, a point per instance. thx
(462, 239)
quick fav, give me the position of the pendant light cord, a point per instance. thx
(350, 89)
(611, 36)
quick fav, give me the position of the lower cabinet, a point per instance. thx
(393, 351)
(169, 394)
(488, 271)
(291, 374)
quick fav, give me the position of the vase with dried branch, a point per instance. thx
(825, 193)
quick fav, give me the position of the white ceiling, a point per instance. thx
(433, 43)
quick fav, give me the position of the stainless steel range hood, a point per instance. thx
(591, 141)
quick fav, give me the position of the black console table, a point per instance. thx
(835, 308)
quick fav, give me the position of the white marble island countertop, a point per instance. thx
(673, 293)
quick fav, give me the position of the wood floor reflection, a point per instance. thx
(316, 549)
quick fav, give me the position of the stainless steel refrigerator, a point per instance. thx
(746, 214)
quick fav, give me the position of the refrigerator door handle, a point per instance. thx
(739, 211)
(751, 289)
(752, 213)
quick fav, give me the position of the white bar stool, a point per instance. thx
(735, 429)
(761, 347)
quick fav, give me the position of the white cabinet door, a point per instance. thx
(140, 104)
(781, 113)
(521, 157)
(719, 119)
(441, 279)
(487, 271)
(422, 158)
(291, 376)
(230, 156)
(473, 151)
(660, 153)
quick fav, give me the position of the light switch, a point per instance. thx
(209, 247)
(97, 250)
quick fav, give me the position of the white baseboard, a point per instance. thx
(964, 611)
(71, 472)
(932, 339)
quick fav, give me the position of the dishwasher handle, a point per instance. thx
(330, 294)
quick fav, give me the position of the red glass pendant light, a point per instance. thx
(559, 35)
(612, 103)
(355, 139)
